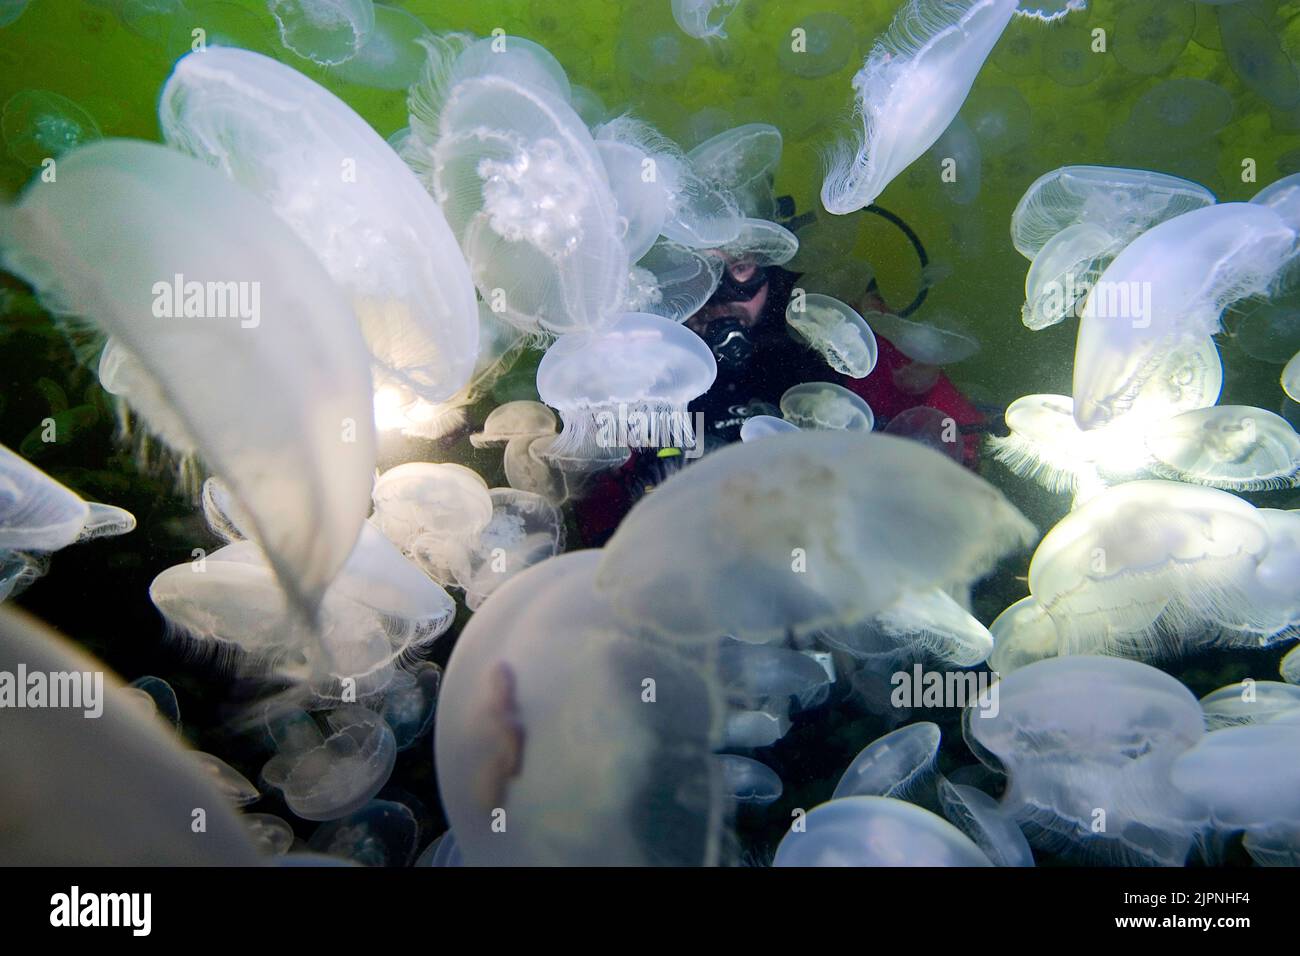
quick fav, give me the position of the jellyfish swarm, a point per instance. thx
(836, 331)
(1079, 735)
(909, 89)
(803, 532)
(1234, 447)
(624, 386)
(1153, 569)
(825, 406)
(543, 727)
(277, 399)
(521, 183)
(1167, 289)
(1073, 221)
(876, 831)
(348, 197)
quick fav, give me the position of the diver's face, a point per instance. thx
(747, 313)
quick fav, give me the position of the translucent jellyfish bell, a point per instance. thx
(1254, 52)
(942, 340)
(1291, 378)
(931, 427)
(627, 385)
(542, 724)
(763, 676)
(514, 420)
(1150, 34)
(1074, 734)
(907, 92)
(743, 161)
(1249, 702)
(348, 196)
(703, 19)
(1150, 568)
(827, 45)
(836, 331)
(528, 472)
(38, 124)
(1022, 634)
(1063, 272)
(390, 58)
(1165, 291)
(876, 831)
(762, 243)
(901, 764)
(381, 833)
(276, 399)
(324, 31)
(783, 516)
(1182, 112)
(761, 426)
(525, 529)
(39, 514)
(749, 781)
(416, 498)
(988, 825)
(1235, 447)
(673, 281)
(825, 406)
(642, 201)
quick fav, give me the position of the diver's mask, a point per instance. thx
(730, 341)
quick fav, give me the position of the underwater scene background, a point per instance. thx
(1171, 91)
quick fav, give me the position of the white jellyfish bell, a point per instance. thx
(347, 196)
(912, 84)
(836, 331)
(825, 406)
(624, 386)
(876, 831)
(1235, 447)
(703, 19)
(742, 161)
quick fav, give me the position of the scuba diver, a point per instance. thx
(758, 359)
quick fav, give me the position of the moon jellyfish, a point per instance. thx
(627, 385)
(1050, 11)
(1068, 57)
(1182, 112)
(381, 833)
(328, 772)
(815, 529)
(1235, 447)
(327, 32)
(1249, 702)
(642, 200)
(901, 764)
(410, 702)
(442, 852)
(525, 529)
(1078, 735)
(756, 729)
(1257, 57)
(1063, 272)
(297, 455)
(824, 406)
(1166, 290)
(703, 19)
(749, 781)
(983, 819)
(761, 426)
(836, 331)
(18, 571)
(654, 50)
(528, 472)
(523, 187)
(1121, 202)
(348, 196)
(432, 512)
(1022, 634)
(390, 58)
(1291, 378)
(959, 150)
(514, 420)
(39, 125)
(743, 161)
(999, 117)
(816, 45)
(1151, 34)
(234, 786)
(930, 427)
(271, 835)
(542, 725)
(1289, 667)
(908, 90)
(1154, 568)
(82, 806)
(943, 340)
(768, 677)
(1270, 331)
(39, 514)
(876, 831)
(673, 281)
(163, 697)
(761, 243)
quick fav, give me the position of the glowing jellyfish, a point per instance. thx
(300, 459)
(163, 698)
(1154, 568)
(816, 45)
(39, 514)
(983, 819)
(324, 31)
(389, 58)
(1235, 447)
(523, 187)
(825, 406)
(39, 125)
(1151, 34)
(931, 427)
(83, 806)
(1045, 445)
(432, 512)
(271, 835)
(1255, 54)
(1068, 57)
(942, 340)
(331, 771)
(743, 161)
(703, 19)
(816, 529)
(673, 281)
(1074, 734)
(625, 386)
(761, 426)
(761, 243)
(1022, 634)
(1249, 702)
(1064, 271)
(381, 833)
(642, 200)
(836, 331)
(1167, 289)
(907, 92)
(348, 196)
(1121, 202)
(926, 622)
(876, 831)
(514, 420)
(542, 723)
(525, 529)
(901, 764)
(234, 786)
(749, 781)
(528, 472)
